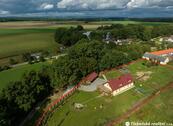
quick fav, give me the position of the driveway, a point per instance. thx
(93, 86)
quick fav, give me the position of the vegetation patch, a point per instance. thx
(12, 45)
(15, 74)
(113, 74)
(159, 110)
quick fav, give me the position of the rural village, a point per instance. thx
(86, 63)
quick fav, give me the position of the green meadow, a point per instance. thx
(158, 110)
(18, 42)
(16, 73)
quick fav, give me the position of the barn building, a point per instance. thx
(163, 57)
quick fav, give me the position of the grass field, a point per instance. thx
(171, 63)
(159, 76)
(8, 31)
(159, 110)
(93, 115)
(20, 43)
(16, 73)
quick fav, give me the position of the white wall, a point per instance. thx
(121, 90)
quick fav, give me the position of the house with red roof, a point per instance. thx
(119, 85)
(90, 78)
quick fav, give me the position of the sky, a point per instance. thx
(86, 8)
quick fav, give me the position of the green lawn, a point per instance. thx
(113, 107)
(7, 31)
(92, 114)
(171, 63)
(158, 110)
(19, 43)
(113, 74)
(16, 73)
(160, 76)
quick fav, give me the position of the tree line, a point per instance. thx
(137, 31)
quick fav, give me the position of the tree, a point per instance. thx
(13, 61)
(21, 96)
(69, 37)
(113, 59)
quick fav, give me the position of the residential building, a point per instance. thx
(119, 85)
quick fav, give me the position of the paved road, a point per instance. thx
(25, 63)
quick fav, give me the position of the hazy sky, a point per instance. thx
(87, 8)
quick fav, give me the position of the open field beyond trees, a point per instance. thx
(104, 108)
(11, 45)
(54, 24)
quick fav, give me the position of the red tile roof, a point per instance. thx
(120, 82)
(91, 77)
(162, 52)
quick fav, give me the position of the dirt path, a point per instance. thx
(138, 106)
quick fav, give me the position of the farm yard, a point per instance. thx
(106, 108)
(16, 73)
(101, 108)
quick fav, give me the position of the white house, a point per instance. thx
(120, 85)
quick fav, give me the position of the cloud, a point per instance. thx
(91, 4)
(149, 3)
(111, 4)
(46, 6)
(3, 12)
(94, 8)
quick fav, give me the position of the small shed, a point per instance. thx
(90, 78)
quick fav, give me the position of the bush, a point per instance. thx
(13, 62)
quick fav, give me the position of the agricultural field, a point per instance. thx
(16, 73)
(11, 45)
(106, 108)
(17, 38)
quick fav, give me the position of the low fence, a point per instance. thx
(43, 118)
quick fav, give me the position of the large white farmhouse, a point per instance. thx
(120, 85)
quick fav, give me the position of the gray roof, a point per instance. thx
(155, 57)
